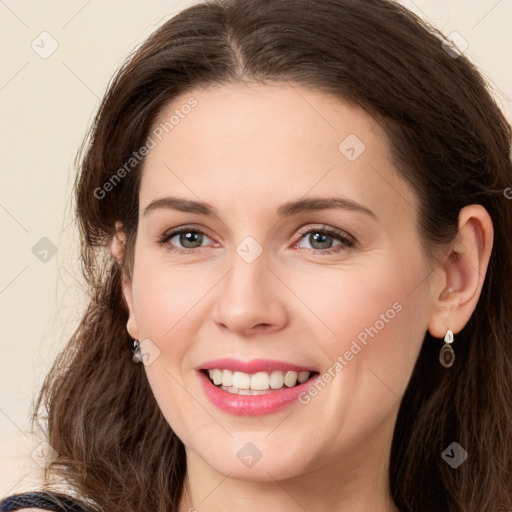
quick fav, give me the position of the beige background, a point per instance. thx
(46, 105)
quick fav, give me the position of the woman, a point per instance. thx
(296, 215)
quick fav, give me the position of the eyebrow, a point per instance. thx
(285, 210)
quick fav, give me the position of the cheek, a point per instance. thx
(168, 301)
(372, 318)
(376, 327)
(164, 298)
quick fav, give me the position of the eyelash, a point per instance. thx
(347, 242)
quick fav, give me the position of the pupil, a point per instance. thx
(190, 237)
(322, 239)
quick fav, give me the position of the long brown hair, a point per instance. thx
(449, 140)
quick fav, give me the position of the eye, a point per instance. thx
(322, 240)
(188, 238)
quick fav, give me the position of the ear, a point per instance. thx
(464, 270)
(117, 248)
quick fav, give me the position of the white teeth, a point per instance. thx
(236, 391)
(216, 376)
(227, 378)
(303, 377)
(290, 379)
(260, 381)
(256, 383)
(241, 380)
(277, 380)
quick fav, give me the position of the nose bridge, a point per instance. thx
(249, 296)
(249, 268)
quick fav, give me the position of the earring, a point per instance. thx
(447, 355)
(137, 355)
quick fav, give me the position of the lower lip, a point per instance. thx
(252, 405)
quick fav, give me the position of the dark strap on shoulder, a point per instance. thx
(42, 499)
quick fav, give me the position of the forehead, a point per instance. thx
(242, 141)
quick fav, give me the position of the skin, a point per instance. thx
(247, 149)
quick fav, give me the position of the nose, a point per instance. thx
(251, 298)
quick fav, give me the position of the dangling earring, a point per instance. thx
(137, 355)
(447, 355)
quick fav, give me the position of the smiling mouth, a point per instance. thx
(260, 383)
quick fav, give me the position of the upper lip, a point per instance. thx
(252, 366)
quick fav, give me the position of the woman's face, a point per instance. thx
(254, 279)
